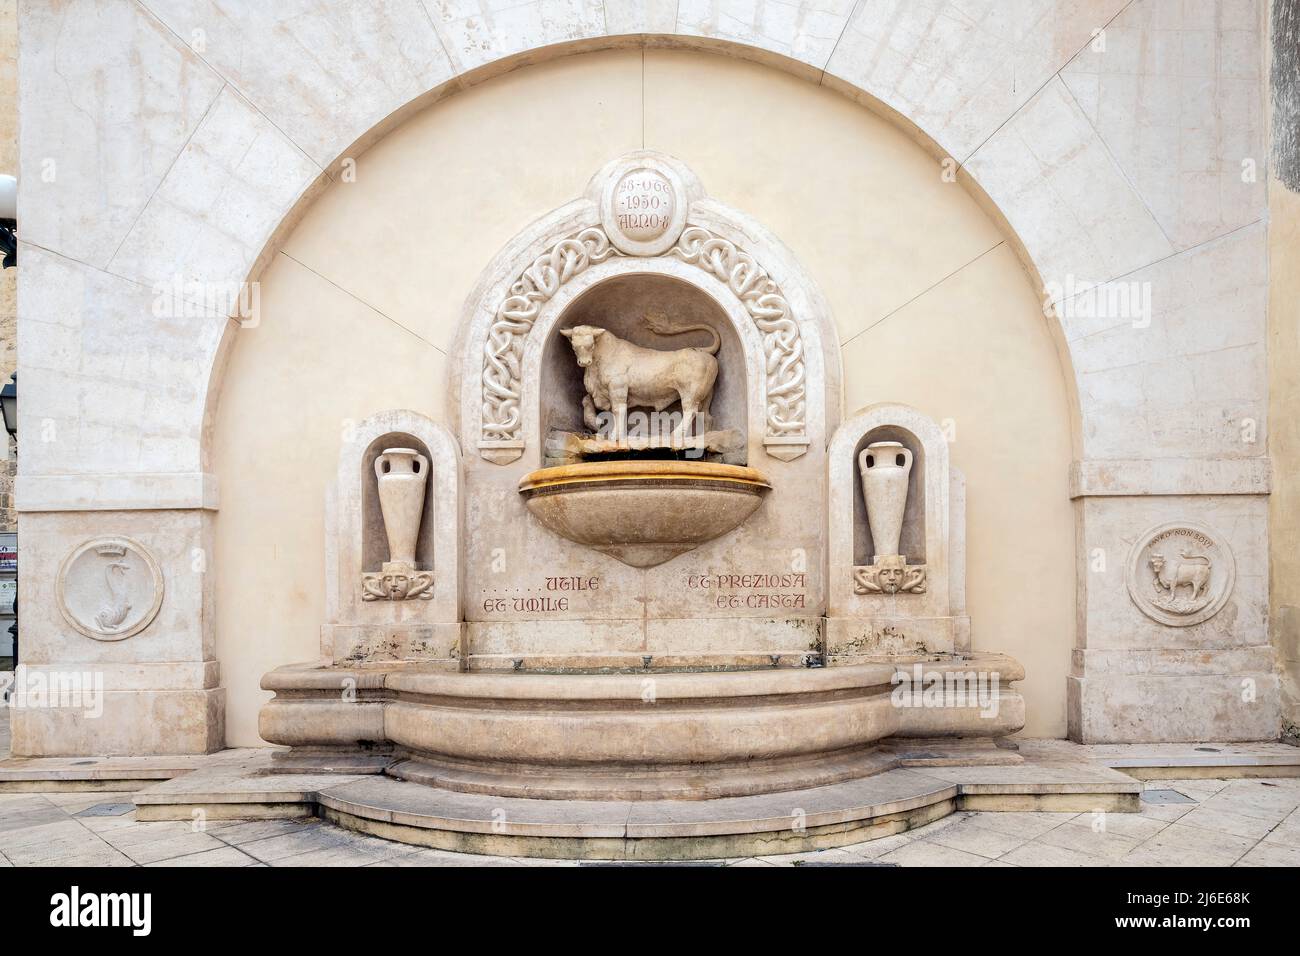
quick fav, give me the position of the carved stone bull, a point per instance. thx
(1192, 572)
(619, 374)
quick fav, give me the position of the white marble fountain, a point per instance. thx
(651, 561)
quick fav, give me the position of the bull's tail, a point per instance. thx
(1193, 557)
(657, 322)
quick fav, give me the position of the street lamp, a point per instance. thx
(9, 405)
(9, 221)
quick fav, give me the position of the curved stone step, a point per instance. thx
(791, 821)
(786, 822)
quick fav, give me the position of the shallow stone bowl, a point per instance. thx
(643, 512)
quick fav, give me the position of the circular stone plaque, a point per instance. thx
(643, 204)
(1180, 574)
(644, 209)
(110, 588)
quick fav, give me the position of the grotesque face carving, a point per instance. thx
(890, 579)
(583, 339)
(891, 572)
(396, 584)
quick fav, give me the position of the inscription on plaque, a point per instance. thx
(756, 591)
(552, 595)
(643, 205)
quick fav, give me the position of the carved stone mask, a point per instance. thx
(891, 573)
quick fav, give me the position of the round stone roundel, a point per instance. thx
(1180, 573)
(110, 588)
(643, 204)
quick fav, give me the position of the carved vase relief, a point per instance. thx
(884, 469)
(402, 474)
(1180, 574)
(110, 588)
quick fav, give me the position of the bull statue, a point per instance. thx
(619, 374)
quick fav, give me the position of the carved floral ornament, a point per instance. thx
(110, 588)
(502, 425)
(1180, 573)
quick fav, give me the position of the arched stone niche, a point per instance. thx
(916, 611)
(619, 304)
(795, 362)
(535, 600)
(359, 628)
(615, 296)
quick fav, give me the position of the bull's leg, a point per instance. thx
(618, 402)
(689, 409)
(705, 414)
(589, 417)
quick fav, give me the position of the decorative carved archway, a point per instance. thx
(699, 233)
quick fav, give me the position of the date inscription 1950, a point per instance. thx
(643, 205)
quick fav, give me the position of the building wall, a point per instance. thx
(359, 310)
(190, 138)
(8, 277)
(1284, 351)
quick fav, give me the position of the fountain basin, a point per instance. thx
(599, 737)
(643, 512)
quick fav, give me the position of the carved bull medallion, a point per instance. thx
(1180, 574)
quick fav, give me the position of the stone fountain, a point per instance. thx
(650, 562)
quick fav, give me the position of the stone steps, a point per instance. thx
(792, 821)
(248, 784)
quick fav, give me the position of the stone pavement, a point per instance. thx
(1202, 822)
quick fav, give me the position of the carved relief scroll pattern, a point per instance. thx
(782, 345)
(503, 353)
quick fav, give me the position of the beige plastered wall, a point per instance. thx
(359, 311)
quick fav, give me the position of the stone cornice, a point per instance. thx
(1170, 476)
(143, 492)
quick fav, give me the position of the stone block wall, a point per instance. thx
(8, 277)
(1284, 351)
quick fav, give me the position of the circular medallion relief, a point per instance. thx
(1180, 574)
(644, 209)
(110, 588)
(643, 204)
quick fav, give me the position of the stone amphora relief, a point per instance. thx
(885, 468)
(402, 474)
